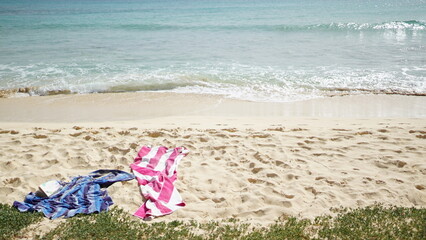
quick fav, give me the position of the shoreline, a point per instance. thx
(141, 106)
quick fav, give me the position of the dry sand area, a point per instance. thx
(254, 168)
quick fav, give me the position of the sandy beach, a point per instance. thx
(287, 108)
(251, 161)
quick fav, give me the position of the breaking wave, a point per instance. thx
(253, 83)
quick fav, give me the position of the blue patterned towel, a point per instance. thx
(83, 194)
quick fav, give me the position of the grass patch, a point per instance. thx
(117, 224)
(12, 221)
(374, 222)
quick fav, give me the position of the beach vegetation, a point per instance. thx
(372, 222)
(12, 221)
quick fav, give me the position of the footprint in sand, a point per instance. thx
(14, 182)
(8, 131)
(117, 150)
(260, 135)
(300, 160)
(399, 163)
(221, 135)
(267, 145)
(218, 200)
(261, 159)
(186, 164)
(8, 166)
(289, 196)
(232, 164)
(278, 129)
(76, 134)
(15, 142)
(256, 170)
(63, 152)
(87, 138)
(36, 136)
(260, 181)
(124, 133)
(232, 130)
(154, 134)
(6, 190)
(380, 164)
(272, 175)
(363, 133)
(291, 177)
(371, 195)
(380, 182)
(312, 190)
(298, 129)
(28, 156)
(281, 164)
(245, 198)
(340, 130)
(77, 162)
(286, 204)
(417, 131)
(217, 148)
(48, 163)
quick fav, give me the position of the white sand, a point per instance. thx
(247, 160)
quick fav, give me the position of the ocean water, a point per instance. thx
(258, 50)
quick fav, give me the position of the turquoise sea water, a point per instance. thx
(255, 50)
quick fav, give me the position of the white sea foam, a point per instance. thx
(238, 49)
(254, 83)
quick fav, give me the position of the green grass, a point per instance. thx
(12, 221)
(373, 222)
(116, 224)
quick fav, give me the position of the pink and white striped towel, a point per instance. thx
(155, 170)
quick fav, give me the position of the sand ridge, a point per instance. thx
(248, 172)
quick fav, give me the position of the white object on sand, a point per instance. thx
(50, 187)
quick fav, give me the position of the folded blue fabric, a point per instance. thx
(83, 194)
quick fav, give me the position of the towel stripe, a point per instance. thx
(82, 195)
(155, 170)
